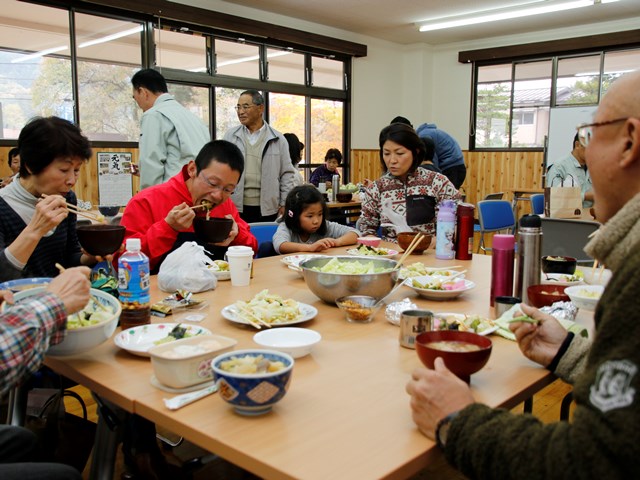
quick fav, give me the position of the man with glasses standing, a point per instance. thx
(268, 172)
(572, 171)
(162, 215)
(170, 135)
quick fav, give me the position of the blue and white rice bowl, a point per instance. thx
(253, 393)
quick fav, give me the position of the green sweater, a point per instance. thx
(603, 440)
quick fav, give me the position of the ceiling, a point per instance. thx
(395, 20)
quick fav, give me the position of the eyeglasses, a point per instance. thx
(217, 188)
(244, 107)
(585, 132)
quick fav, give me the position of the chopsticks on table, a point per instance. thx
(62, 269)
(83, 213)
(414, 243)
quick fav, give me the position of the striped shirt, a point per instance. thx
(26, 331)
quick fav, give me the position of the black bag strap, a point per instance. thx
(72, 394)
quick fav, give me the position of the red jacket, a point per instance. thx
(145, 213)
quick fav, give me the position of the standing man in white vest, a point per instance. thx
(170, 135)
(268, 171)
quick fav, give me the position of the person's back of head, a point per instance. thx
(403, 120)
(295, 147)
(405, 136)
(297, 200)
(44, 139)
(333, 153)
(220, 151)
(150, 79)
(429, 147)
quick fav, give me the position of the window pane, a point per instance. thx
(226, 116)
(108, 55)
(578, 80)
(618, 63)
(492, 110)
(287, 114)
(194, 99)
(237, 59)
(184, 51)
(36, 74)
(326, 128)
(327, 73)
(531, 100)
(285, 66)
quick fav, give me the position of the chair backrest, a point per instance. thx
(263, 231)
(566, 237)
(537, 203)
(495, 215)
(494, 196)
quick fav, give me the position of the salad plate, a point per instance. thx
(24, 283)
(375, 252)
(468, 323)
(293, 261)
(561, 279)
(138, 340)
(419, 269)
(439, 293)
(220, 269)
(307, 312)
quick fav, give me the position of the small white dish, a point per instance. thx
(220, 269)
(138, 340)
(297, 342)
(596, 276)
(433, 294)
(559, 279)
(389, 253)
(585, 296)
(308, 312)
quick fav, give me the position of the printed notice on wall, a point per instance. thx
(114, 178)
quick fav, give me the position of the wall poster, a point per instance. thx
(115, 184)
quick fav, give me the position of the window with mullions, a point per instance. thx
(237, 59)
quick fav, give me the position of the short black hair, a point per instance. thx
(43, 139)
(12, 153)
(400, 119)
(256, 96)
(220, 151)
(406, 136)
(295, 147)
(300, 198)
(150, 79)
(333, 153)
(576, 138)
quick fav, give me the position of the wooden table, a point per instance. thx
(346, 414)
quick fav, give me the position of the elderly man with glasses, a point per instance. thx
(602, 440)
(162, 215)
(268, 172)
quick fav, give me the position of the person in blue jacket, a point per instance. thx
(448, 154)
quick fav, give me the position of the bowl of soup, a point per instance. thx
(464, 353)
(543, 295)
(212, 230)
(100, 239)
(558, 264)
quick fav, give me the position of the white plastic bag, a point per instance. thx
(398, 221)
(186, 269)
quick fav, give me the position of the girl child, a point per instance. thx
(305, 227)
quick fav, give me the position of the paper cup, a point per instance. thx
(240, 260)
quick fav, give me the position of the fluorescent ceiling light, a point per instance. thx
(506, 13)
(108, 38)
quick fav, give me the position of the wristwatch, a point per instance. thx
(442, 430)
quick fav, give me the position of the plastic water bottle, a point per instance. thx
(445, 229)
(502, 266)
(133, 285)
(528, 256)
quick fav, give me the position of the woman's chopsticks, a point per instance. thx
(83, 213)
(95, 300)
(414, 243)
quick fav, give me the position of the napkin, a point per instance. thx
(503, 324)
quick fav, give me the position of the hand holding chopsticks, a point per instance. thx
(95, 300)
(83, 213)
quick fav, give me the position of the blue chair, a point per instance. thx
(537, 203)
(494, 216)
(263, 231)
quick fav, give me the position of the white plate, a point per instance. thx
(433, 273)
(390, 253)
(460, 317)
(138, 340)
(293, 261)
(558, 279)
(308, 312)
(440, 294)
(225, 275)
(220, 274)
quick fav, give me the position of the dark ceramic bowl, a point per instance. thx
(559, 264)
(99, 239)
(547, 294)
(213, 230)
(109, 211)
(462, 363)
(405, 239)
(344, 197)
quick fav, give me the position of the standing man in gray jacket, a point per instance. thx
(170, 135)
(268, 171)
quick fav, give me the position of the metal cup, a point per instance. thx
(504, 303)
(412, 323)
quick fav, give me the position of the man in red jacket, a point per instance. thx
(162, 217)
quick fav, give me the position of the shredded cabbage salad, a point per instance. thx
(350, 267)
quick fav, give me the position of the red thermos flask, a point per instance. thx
(464, 231)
